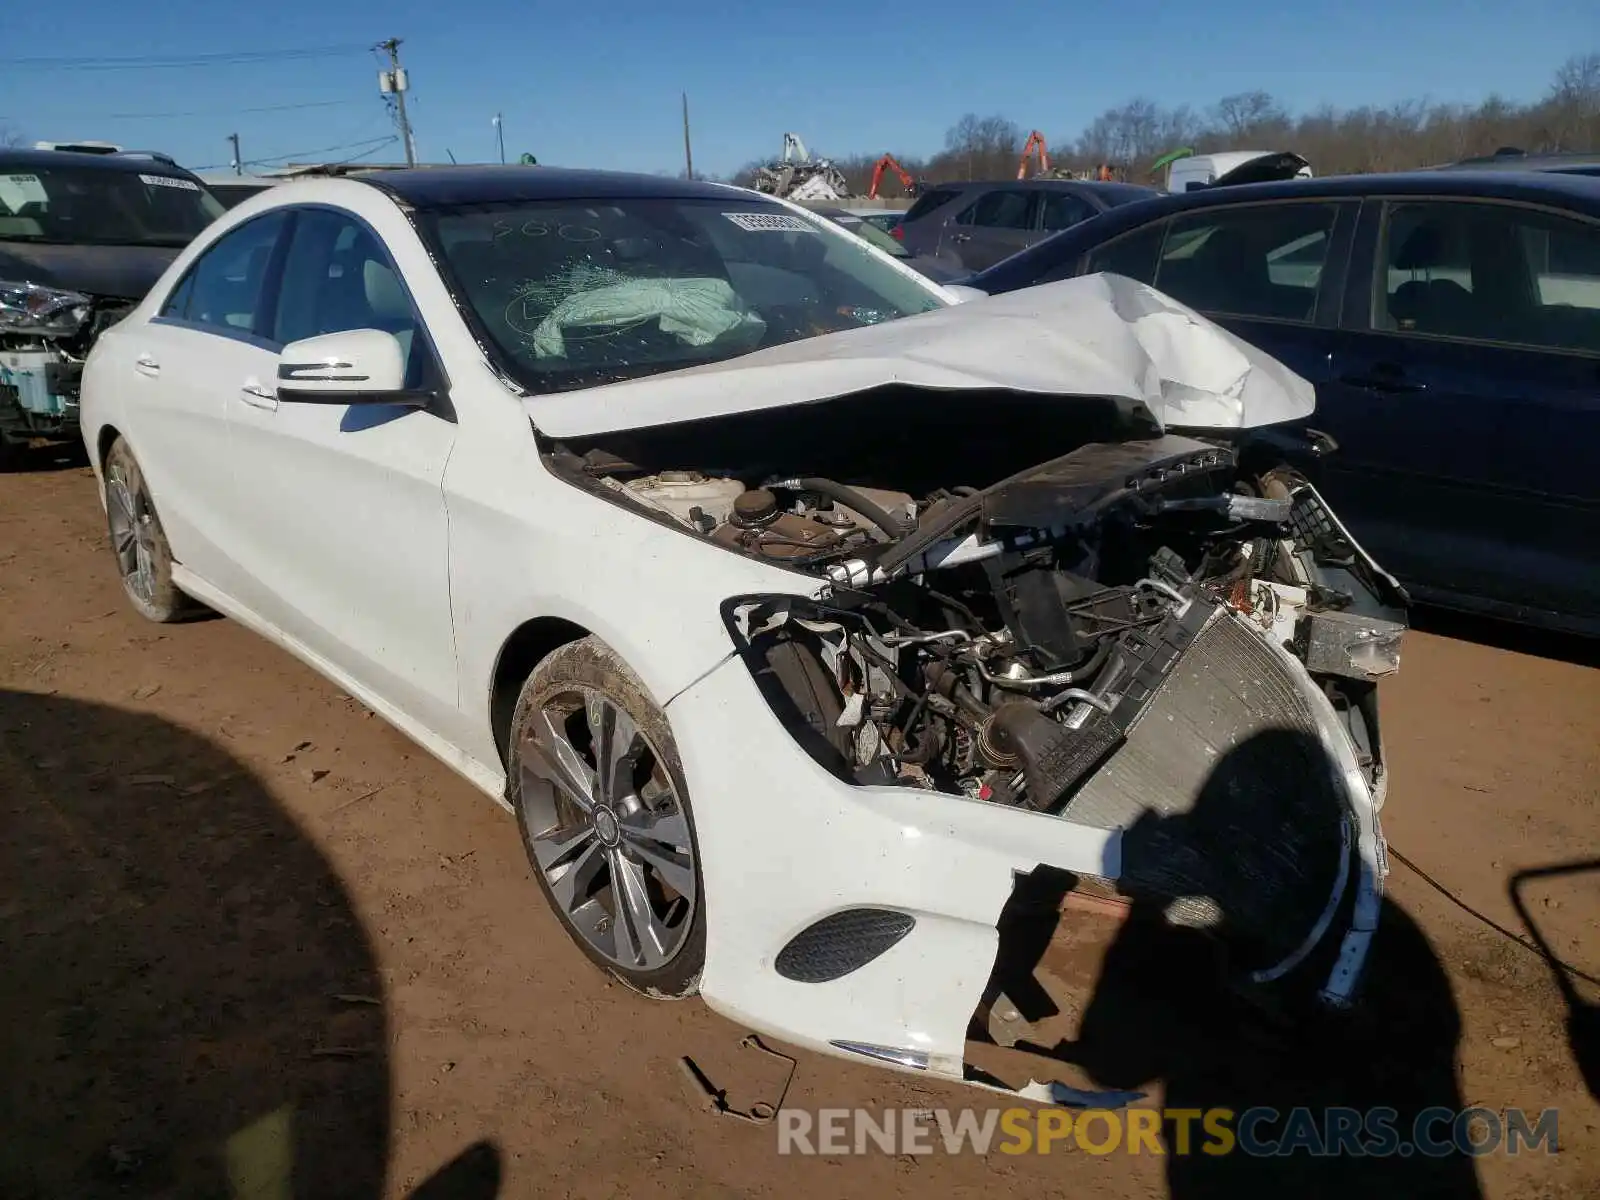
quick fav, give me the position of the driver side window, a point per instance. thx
(337, 277)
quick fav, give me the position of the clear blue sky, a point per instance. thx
(591, 83)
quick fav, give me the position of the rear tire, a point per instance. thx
(598, 789)
(139, 544)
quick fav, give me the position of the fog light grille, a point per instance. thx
(843, 942)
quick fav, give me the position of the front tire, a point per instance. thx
(144, 559)
(598, 790)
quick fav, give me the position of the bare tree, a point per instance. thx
(984, 146)
(10, 137)
(1575, 102)
(1246, 114)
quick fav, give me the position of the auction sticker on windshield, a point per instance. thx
(17, 190)
(770, 222)
(187, 185)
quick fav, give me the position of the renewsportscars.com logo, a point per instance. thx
(1258, 1132)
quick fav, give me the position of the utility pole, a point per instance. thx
(500, 133)
(688, 154)
(394, 80)
(238, 159)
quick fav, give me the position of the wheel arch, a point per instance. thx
(529, 644)
(105, 437)
(103, 442)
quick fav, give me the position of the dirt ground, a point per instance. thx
(248, 930)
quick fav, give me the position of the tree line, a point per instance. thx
(1131, 136)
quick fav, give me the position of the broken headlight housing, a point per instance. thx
(43, 311)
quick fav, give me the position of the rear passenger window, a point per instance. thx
(1490, 272)
(1063, 210)
(1259, 261)
(226, 287)
(1133, 254)
(1002, 210)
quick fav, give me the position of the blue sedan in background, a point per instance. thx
(1450, 321)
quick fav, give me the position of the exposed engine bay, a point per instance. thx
(41, 359)
(1002, 642)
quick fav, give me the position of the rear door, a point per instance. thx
(1465, 395)
(182, 377)
(996, 224)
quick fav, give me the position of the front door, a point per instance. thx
(1272, 273)
(349, 544)
(997, 224)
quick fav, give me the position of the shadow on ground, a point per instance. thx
(55, 457)
(192, 1006)
(1167, 1010)
(1583, 1016)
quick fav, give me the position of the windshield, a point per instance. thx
(83, 206)
(573, 294)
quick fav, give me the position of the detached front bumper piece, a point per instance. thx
(861, 921)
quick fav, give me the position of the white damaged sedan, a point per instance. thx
(798, 612)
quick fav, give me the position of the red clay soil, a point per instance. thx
(249, 931)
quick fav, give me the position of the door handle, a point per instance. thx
(146, 364)
(257, 396)
(962, 237)
(1383, 377)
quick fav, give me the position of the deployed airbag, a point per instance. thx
(696, 311)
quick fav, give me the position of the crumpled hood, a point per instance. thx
(1095, 335)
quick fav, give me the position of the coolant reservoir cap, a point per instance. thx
(754, 507)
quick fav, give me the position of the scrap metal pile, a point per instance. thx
(798, 176)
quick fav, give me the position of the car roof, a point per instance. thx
(447, 187)
(1526, 162)
(1504, 185)
(1574, 192)
(1060, 185)
(125, 163)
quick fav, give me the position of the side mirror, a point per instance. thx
(357, 366)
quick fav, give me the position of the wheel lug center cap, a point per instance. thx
(606, 827)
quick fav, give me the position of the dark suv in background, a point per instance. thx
(975, 225)
(83, 236)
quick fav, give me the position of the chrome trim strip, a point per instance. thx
(917, 1060)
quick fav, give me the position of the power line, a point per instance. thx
(373, 146)
(153, 62)
(376, 143)
(388, 141)
(225, 112)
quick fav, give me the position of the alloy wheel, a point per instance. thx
(607, 829)
(132, 536)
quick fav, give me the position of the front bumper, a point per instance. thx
(784, 844)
